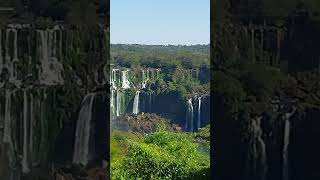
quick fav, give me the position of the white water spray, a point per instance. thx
(25, 168)
(189, 116)
(82, 136)
(136, 103)
(125, 79)
(199, 112)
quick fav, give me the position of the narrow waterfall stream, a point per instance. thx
(189, 116)
(199, 112)
(8, 126)
(11, 54)
(31, 121)
(119, 102)
(25, 167)
(82, 136)
(256, 165)
(286, 141)
(51, 68)
(285, 169)
(125, 79)
(136, 103)
(7, 118)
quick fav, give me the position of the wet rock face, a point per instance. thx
(304, 147)
(101, 126)
(281, 146)
(171, 106)
(138, 91)
(39, 55)
(41, 89)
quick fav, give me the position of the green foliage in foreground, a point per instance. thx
(160, 155)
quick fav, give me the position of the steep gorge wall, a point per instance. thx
(137, 91)
(44, 79)
(276, 143)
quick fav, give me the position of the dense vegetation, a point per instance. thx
(243, 89)
(159, 155)
(165, 153)
(236, 77)
(158, 56)
(184, 69)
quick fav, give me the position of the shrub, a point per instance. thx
(163, 155)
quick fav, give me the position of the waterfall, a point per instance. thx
(113, 78)
(8, 127)
(256, 167)
(285, 149)
(199, 112)
(286, 141)
(7, 118)
(82, 136)
(125, 80)
(136, 103)
(51, 68)
(11, 58)
(31, 127)
(119, 102)
(119, 81)
(189, 116)
(25, 168)
(112, 104)
(144, 79)
(119, 85)
(116, 103)
(15, 52)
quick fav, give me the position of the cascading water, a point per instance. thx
(7, 139)
(119, 102)
(26, 139)
(51, 68)
(256, 167)
(189, 116)
(145, 78)
(82, 136)
(31, 126)
(286, 140)
(119, 83)
(199, 112)
(11, 57)
(7, 118)
(285, 170)
(136, 103)
(125, 80)
(112, 104)
(25, 168)
(120, 88)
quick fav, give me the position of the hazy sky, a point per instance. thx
(160, 21)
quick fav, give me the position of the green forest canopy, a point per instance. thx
(160, 55)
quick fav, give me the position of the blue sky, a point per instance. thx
(160, 22)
